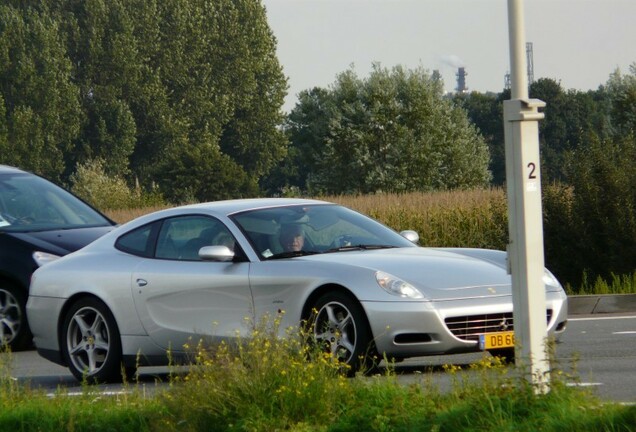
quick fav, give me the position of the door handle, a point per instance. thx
(142, 282)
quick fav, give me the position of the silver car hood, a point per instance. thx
(438, 274)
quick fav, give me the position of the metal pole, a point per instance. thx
(516, 34)
(523, 178)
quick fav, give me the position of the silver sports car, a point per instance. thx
(204, 270)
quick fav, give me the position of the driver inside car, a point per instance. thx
(292, 238)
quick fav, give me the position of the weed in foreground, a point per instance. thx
(267, 383)
(264, 382)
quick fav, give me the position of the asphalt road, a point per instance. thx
(601, 348)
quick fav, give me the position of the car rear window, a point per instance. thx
(138, 242)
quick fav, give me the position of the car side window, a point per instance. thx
(181, 238)
(137, 242)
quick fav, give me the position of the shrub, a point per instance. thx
(603, 177)
(263, 383)
(91, 183)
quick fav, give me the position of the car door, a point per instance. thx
(180, 298)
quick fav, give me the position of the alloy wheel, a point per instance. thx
(10, 317)
(335, 328)
(88, 340)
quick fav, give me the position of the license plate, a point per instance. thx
(497, 340)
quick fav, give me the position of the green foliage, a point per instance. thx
(142, 85)
(390, 132)
(621, 90)
(264, 382)
(603, 176)
(270, 383)
(616, 284)
(587, 147)
(201, 173)
(589, 230)
(561, 242)
(40, 113)
(570, 119)
(596, 219)
(485, 111)
(91, 183)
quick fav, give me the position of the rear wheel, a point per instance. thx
(91, 344)
(341, 328)
(14, 329)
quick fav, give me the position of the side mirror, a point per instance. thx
(216, 253)
(411, 236)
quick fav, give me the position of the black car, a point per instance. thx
(39, 222)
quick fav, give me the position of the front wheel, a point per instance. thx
(340, 326)
(91, 343)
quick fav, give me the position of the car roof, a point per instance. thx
(214, 208)
(5, 169)
(229, 207)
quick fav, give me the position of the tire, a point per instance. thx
(90, 342)
(14, 329)
(340, 326)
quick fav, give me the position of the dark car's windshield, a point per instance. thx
(31, 203)
(284, 232)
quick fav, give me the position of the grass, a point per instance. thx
(476, 218)
(618, 284)
(124, 215)
(267, 383)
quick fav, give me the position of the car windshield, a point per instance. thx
(284, 232)
(31, 203)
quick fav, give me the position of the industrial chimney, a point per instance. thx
(461, 80)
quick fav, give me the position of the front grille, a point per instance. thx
(470, 327)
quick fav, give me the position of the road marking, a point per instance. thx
(584, 384)
(624, 332)
(81, 393)
(602, 318)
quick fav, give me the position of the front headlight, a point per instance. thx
(396, 286)
(550, 280)
(42, 258)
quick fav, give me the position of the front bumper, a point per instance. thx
(413, 329)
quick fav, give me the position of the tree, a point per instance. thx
(485, 111)
(150, 83)
(571, 118)
(38, 100)
(392, 131)
(306, 126)
(621, 93)
(603, 176)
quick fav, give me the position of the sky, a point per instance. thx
(578, 43)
